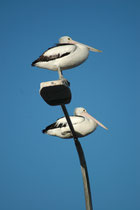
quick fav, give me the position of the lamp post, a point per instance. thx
(57, 93)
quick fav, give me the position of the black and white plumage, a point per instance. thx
(83, 124)
(66, 54)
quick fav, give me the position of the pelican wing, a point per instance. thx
(62, 123)
(56, 52)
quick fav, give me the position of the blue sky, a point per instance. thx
(42, 172)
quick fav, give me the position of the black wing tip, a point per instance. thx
(44, 131)
(33, 63)
(52, 126)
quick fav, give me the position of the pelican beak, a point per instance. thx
(89, 116)
(89, 48)
(93, 49)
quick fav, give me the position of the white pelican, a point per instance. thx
(83, 124)
(66, 54)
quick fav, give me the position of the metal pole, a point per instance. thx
(84, 170)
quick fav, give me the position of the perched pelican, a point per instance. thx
(83, 124)
(66, 54)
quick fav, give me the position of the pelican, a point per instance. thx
(66, 54)
(83, 124)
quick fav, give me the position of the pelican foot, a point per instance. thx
(65, 81)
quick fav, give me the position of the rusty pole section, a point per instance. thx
(84, 170)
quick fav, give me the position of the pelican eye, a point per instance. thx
(69, 38)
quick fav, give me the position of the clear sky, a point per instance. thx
(41, 172)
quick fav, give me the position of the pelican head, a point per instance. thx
(67, 39)
(80, 111)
